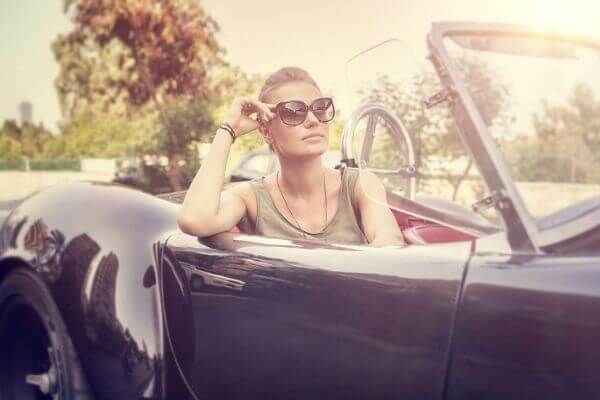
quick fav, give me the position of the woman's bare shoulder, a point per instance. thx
(243, 190)
(246, 192)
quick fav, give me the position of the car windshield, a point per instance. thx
(543, 113)
(394, 134)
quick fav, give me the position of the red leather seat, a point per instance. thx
(432, 233)
(417, 231)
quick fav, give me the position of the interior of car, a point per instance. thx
(432, 220)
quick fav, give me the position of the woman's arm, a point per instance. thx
(377, 219)
(205, 211)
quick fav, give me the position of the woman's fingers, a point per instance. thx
(249, 106)
(269, 114)
(264, 110)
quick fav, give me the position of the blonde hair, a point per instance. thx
(282, 76)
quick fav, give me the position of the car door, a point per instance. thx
(529, 317)
(528, 328)
(296, 319)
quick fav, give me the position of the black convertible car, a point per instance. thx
(102, 297)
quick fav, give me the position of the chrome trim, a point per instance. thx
(382, 111)
(501, 179)
(539, 237)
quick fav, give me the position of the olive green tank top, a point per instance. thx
(343, 228)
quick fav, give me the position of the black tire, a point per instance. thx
(34, 342)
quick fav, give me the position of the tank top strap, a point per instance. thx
(259, 189)
(263, 199)
(350, 178)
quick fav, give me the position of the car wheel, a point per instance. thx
(38, 359)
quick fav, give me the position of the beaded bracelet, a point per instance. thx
(229, 129)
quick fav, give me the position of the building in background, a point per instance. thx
(26, 112)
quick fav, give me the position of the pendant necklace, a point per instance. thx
(292, 214)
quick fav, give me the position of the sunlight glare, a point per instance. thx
(570, 17)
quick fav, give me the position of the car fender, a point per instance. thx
(97, 246)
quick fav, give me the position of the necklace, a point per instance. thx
(292, 214)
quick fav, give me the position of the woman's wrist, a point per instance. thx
(223, 132)
(232, 122)
(225, 126)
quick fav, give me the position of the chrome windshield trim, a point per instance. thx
(497, 177)
(397, 126)
(500, 178)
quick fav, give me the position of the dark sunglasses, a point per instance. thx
(294, 112)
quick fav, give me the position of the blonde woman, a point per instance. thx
(303, 199)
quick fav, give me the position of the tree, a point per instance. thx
(26, 140)
(92, 134)
(9, 147)
(126, 54)
(566, 144)
(433, 131)
(227, 83)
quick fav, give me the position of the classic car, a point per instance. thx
(149, 177)
(102, 297)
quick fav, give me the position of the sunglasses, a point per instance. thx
(294, 112)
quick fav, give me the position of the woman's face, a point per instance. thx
(292, 141)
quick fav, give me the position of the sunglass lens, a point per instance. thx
(293, 112)
(323, 109)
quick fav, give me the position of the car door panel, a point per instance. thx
(294, 319)
(528, 328)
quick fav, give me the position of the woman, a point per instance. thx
(304, 199)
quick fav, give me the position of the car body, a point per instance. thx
(468, 310)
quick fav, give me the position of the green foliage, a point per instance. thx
(26, 140)
(92, 134)
(133, 78)
(434, 134)
(61, 164)
(55, 148)
(566, 144)
(226, 83)
(137, 49)
(9, 147)
(335, 131)
(12, 164)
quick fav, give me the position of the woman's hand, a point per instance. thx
(238, 115)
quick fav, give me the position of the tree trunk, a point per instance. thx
(174, 173)
(173, 170)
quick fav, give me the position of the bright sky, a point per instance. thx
(263, 35)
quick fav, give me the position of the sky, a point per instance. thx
(264, 35)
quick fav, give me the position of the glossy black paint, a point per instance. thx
(256, 317)
(96, 247)
(528, 328)
(260, 318)
(297, 320)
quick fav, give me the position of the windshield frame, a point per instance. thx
(524, 232)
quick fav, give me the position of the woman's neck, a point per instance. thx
(302, 179)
